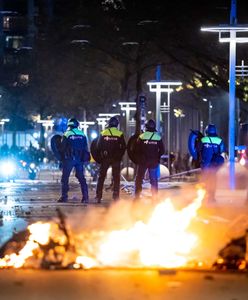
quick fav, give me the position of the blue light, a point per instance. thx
(93, 135)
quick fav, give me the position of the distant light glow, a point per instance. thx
(93, 134)
(32, 166)
(7, 168)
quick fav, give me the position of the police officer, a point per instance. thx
(111, 147)
(211, 148)
(149, 148)
(74, 148)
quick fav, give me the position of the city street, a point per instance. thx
(25, 201)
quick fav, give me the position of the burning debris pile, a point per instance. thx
(41, 245)
(234, 255)
(162, 241)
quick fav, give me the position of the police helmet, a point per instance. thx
(72, 122)
(211, 130)
(150, 125)
(113, 122)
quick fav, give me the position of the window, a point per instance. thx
(14, 42)
(6, 22)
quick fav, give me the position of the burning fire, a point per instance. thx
(163, 241)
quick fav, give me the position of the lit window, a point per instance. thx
(6, 22)
(14, 42)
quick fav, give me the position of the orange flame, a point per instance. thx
(161, 242)
(39, 233)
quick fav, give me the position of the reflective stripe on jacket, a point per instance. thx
(111, 144)
(74, 144)
(149, 148)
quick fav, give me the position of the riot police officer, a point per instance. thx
(74, 148)
(211, 148)
(149, 148)
(111, 147)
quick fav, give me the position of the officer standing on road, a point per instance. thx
(211, 150)
(111, 147)
(149, 148)
(74, 148)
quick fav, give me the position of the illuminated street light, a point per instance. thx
(160, 87)
(228, 34)
(48, 124)
(104, 117)
(102, 122)
(127, 107)
(210, 106)
(85, 125)
(2, 122)
(108, 115)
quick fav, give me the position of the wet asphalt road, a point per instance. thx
(121, 284)
(25, 201)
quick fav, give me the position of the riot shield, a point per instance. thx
(193, 142)
(131, 148)
(94, 152)
(56, 146)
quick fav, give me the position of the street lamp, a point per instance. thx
(108, 115)
(210, 106)
(159, 87)
(228, 33)
(127, 107)
(2, 122)
(102, 122)
(104, 117)
(48, 125)
(85, 125)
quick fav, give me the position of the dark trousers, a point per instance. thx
(153, 176)
(67, 167)
(116, 169)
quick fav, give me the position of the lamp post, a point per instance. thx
(85, 125)
(127, 107)
(159, 87)
(48, 125)
(104, 117)
(108, 115)
(210, 106)
(2, 122)
(102, 122)
(228, 34)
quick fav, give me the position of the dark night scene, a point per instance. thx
(123, 150)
